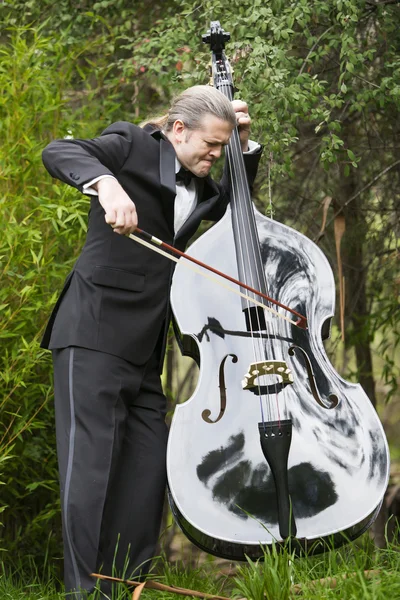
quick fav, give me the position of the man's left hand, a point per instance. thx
(243, 120)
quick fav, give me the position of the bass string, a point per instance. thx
(235, 162)
(250, 249)
(245, 249)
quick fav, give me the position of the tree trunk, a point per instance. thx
(358, 335)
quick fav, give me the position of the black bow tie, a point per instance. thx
(184, 176)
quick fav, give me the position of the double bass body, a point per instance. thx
(274, 444)
(221, 488)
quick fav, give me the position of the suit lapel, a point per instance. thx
(168, 180)
(167, 174)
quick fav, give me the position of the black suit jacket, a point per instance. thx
(116, 298)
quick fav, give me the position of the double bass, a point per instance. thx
(274, 445)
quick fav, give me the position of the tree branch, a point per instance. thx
(313, 48)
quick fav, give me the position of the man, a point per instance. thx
(107, 331)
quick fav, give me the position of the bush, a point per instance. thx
(42, 227)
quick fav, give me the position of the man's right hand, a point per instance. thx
(119, 208)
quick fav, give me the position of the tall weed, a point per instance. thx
(269, 578)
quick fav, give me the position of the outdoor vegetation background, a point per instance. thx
(322, 80)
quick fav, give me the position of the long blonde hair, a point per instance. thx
(192, 105)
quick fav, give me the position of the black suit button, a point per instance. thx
(74, 176)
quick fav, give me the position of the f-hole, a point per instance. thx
(222, 392)
(311, 378)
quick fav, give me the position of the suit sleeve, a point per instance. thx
(251, 164)
(78, 161)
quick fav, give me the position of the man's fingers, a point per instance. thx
(240, 106)
(125, 221)
(243, 119)
(128, 221)
(134, 217)
(120, 211)
(120, 221)
(110, 217)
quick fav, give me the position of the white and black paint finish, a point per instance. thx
(221, 488)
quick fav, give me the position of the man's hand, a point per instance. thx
(119, 208)
(243, 120)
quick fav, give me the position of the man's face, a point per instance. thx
(198, 149)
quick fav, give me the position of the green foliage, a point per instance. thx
(13, 587)
(355, 571)
(269, 578)
(41, 229)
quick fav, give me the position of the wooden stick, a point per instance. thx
(154, 585)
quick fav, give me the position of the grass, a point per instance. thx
(357, 572)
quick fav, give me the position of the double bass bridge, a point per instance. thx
(267, 367)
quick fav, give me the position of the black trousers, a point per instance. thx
(111, 445)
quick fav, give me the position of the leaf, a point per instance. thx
(351, 155)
